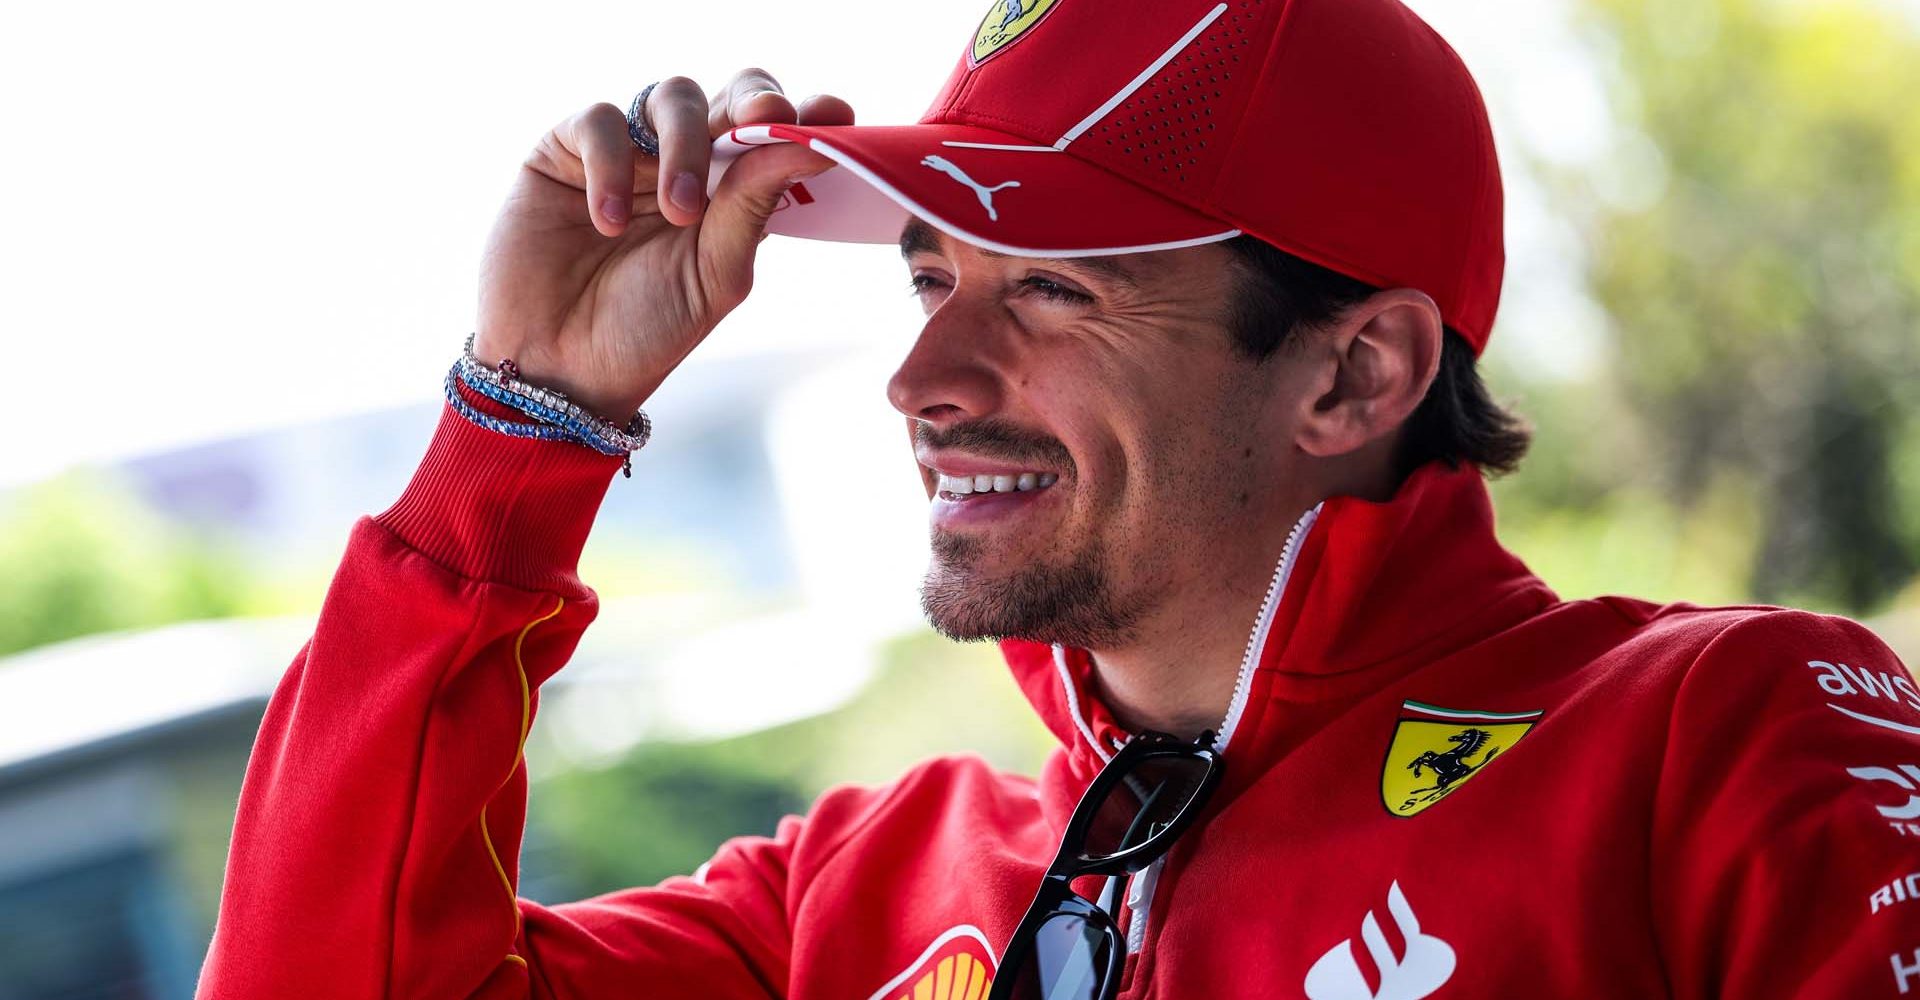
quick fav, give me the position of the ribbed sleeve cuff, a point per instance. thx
(502, 509)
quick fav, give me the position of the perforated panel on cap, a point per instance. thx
(1174, 128)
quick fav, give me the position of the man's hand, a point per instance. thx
(607, 266)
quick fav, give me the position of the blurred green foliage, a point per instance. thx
(1755, 240)
(80, 554)
(661, 809)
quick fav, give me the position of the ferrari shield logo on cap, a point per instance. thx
(1435, 750)
(1005, 22)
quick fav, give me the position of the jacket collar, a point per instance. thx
(1363, 593)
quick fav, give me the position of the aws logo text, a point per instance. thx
(1843, 681)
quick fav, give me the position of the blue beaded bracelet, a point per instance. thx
(508, 379)
(551, 407)
(557, 417)
(570, 426)
(460, 405)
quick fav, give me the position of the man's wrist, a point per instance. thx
(538, 365)
(502, 509)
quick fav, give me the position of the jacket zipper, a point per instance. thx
(1262, 624)
(1140, 889)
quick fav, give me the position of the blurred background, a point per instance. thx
(239, 246)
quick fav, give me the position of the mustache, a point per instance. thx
(997, 439)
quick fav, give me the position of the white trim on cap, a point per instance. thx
(752, 135)
(859, 170)
(1009, 147)
(1146, 74)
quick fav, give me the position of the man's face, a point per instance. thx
(1131, 444)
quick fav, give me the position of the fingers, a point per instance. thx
(677, 110)
(825, 109)
(752, 96)
(686, 122)
(746, 198)
(753, 186)
(598, 136)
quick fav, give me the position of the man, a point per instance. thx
(1196, 410)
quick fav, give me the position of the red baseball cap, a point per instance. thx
(1346, 132)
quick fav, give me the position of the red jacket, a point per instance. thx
(1441, 781)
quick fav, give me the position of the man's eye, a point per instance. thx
(921, 284)
(1050, 289)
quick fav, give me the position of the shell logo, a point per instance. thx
(958, 965)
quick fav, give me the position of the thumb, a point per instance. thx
(737, 217)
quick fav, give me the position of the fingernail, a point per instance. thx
(685, 192)
(616, 208)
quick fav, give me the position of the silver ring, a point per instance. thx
(638, 128)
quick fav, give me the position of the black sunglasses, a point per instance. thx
(1068, 947)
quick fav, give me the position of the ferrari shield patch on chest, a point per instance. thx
(1435, 750)
(1005, 22)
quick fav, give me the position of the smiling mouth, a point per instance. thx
(961, 488)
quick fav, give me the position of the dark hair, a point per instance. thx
(1457, 422)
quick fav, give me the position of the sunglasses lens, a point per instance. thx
(1142, 803)
(1068, 961)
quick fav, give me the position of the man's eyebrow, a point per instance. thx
(918, 236)
(1113, 269)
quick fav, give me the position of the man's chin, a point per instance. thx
(1070, 605)
(959, 603)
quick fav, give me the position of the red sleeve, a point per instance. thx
(375, 851)
(724, 932)
(1787, 825)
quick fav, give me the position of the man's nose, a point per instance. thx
(949, 376)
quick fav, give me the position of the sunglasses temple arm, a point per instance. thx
(1111, 895)
(1146, 810)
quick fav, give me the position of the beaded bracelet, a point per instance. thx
(548, 417)
(558, 418)
(552, 407)
(510, 428)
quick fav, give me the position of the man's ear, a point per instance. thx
(1375, 364)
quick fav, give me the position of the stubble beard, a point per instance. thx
(1071, 603)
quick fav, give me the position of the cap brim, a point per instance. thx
(987, 188)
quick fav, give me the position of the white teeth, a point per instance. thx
(1010, 482)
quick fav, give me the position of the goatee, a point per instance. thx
(1071, 604)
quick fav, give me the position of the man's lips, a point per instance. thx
(955, 463)
(999, 482)
(973, 490)
(952, 510)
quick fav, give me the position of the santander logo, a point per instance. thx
(1426, 966)
(958, 965)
